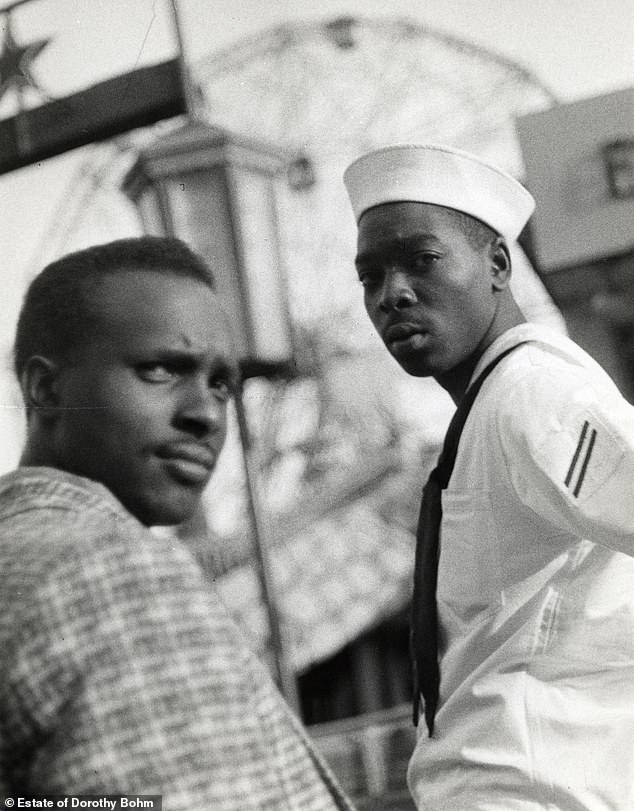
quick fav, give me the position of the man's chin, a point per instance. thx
(413, 360)
(414, 364)
(168, 511)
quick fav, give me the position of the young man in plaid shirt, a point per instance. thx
(121, 672)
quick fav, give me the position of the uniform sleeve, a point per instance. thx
(568, 444)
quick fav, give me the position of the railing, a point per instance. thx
(369, 754)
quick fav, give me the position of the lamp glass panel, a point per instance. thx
(149, 207)
(199, 207)
(263, 281)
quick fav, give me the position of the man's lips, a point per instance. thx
(190, 463)
(405, 336)
(401, 331)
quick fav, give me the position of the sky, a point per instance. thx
(578, 48)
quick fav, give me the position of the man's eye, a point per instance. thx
(222, 385)
(368, 280)
(156, 373)
(423, 260)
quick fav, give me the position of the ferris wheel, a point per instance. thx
(326, 91)
(329, 91)
(343, 86)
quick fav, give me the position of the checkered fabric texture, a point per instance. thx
(121, 671)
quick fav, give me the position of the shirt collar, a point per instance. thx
(512, 337)
(46, 487)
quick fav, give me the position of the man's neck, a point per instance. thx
(456, 380)
(37, 453)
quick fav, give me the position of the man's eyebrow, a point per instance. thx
(398, 245)
(170, 353)
(222, 364)
(228, 369)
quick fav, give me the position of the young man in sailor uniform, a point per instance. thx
(523, 611)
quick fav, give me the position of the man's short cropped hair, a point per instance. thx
(478, 234)
(56, 313)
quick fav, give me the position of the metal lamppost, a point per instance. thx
(217, 192)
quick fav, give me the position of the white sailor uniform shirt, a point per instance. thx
(536, 593)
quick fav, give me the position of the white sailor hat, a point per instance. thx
(430, 173)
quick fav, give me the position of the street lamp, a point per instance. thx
(217, 193)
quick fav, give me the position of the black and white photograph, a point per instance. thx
(317, 405)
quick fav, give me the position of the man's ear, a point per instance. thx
(500, 264)
(39, 383)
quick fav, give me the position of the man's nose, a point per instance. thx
(201, 412)
(397, 293)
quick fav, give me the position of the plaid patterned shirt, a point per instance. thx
(121, 671)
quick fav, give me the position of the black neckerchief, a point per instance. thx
(424, 617)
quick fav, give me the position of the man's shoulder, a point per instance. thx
(45, 503)
(550, 366)
(552, 388)
(547, 383)
(63, 538)
(49, 518)
(35, 488)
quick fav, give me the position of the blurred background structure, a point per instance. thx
(337, 439)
